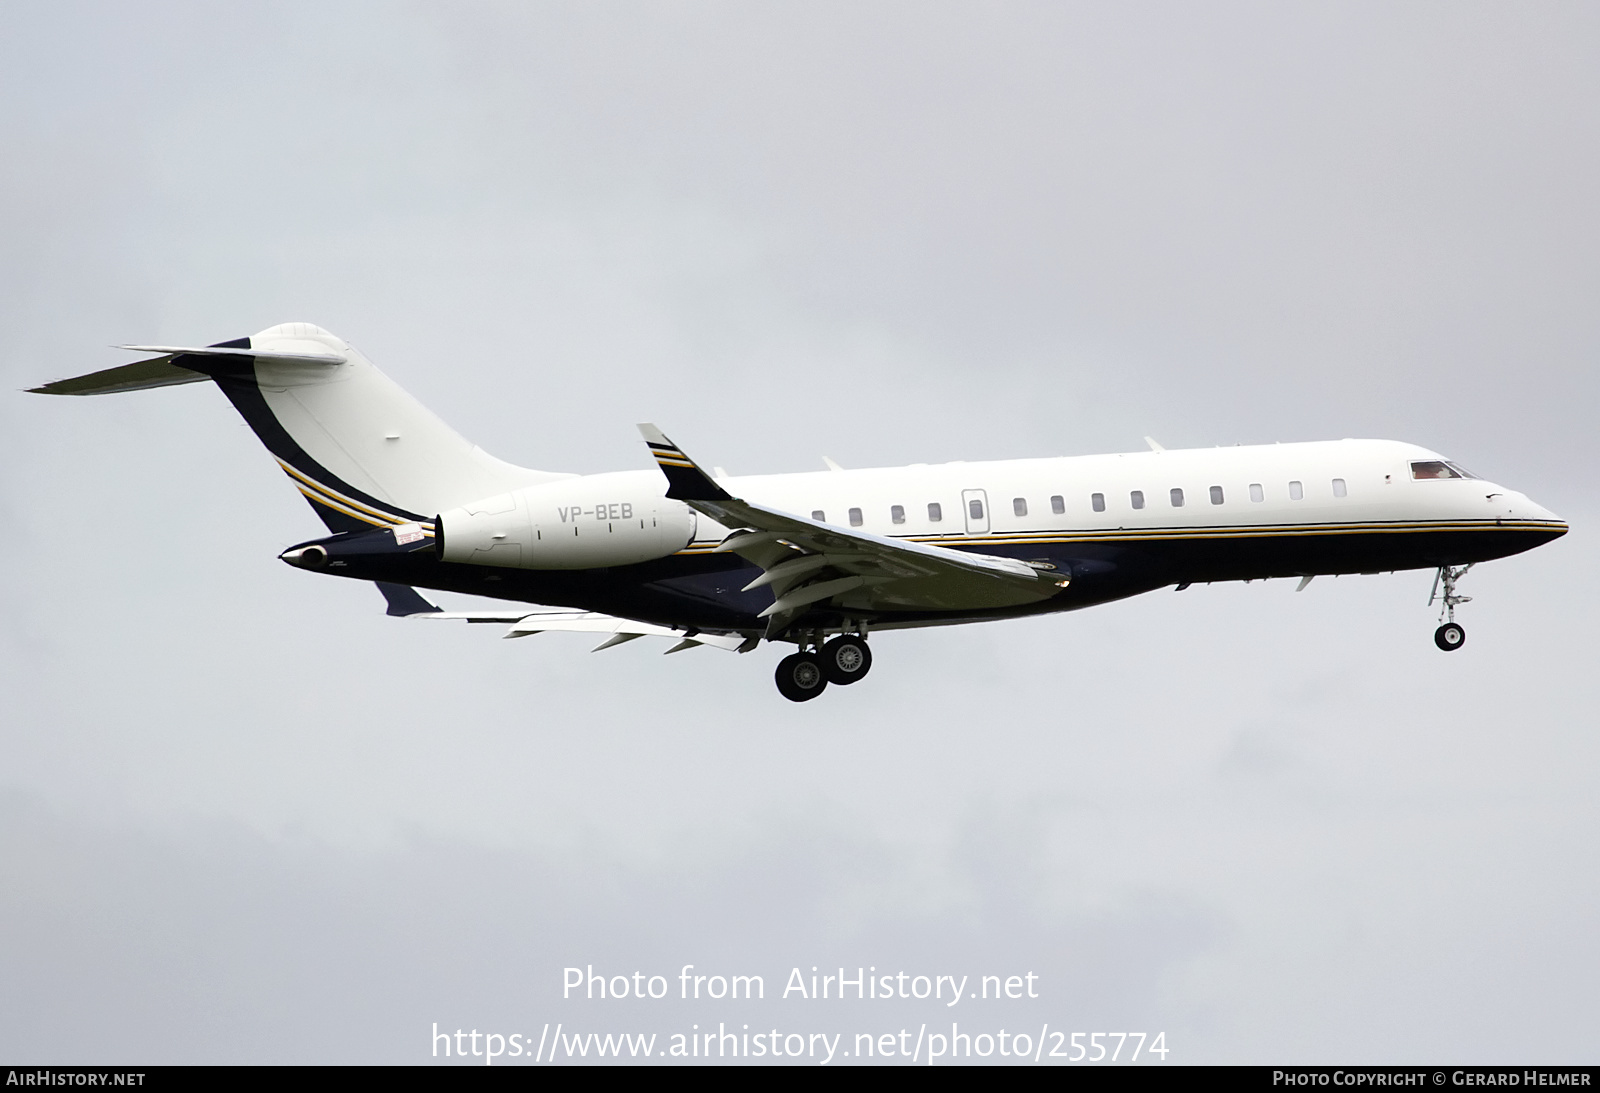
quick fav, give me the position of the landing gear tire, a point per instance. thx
(1451, 636)
(846, 659)
(800, 677)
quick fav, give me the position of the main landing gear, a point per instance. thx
(800, 677)
(1452, 635)
(846, 659)
(804, 675)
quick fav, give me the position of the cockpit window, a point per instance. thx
(1438, 468)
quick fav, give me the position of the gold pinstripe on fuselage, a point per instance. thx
(1243, 531)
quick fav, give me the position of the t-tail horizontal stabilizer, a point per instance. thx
(168, 370)
(139, 376)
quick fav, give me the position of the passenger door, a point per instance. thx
(975, 510)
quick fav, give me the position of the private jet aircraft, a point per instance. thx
(817, 560)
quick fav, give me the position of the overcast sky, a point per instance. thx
(246, 817)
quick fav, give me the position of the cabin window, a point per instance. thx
(1216, 495)
(1136, 499)
(1177, 498)
(1019, 506)
(855, 518)
(1256, 492)
(1338, 487)
(897, 513)
(1097, 501)
(819, 516)
(935, 513)
(1058, 504)
(1438, 468)
(1296, 491)
(975, 509)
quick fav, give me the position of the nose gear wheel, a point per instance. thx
(1452, 635)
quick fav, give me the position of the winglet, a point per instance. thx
(685, 480)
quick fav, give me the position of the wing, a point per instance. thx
(617, 630)
(807, 562)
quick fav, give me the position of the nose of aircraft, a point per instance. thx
(1512, 505)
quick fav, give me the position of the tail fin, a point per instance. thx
(361, 449)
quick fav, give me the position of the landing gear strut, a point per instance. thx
(1452, 635)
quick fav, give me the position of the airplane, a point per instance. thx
(816, 560)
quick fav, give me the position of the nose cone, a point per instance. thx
(1524, 522)
(1509, 504)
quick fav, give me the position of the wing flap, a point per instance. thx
(617, 630)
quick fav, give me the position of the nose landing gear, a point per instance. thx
(1452, 635)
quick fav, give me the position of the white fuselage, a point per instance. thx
(841, 551)
(1220, 487)
(1330, 487)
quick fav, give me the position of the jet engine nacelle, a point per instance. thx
(578, 523)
